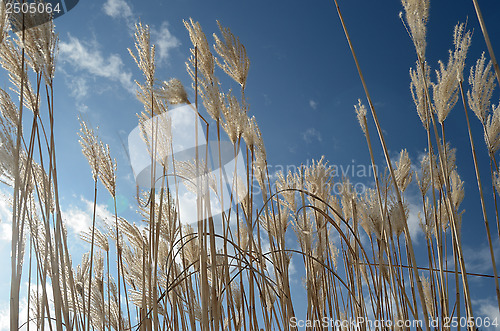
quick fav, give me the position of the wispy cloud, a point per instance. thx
(23, 309)
(117, 9)
(311, 135)
(6, 231)
(164, 41)
(88, 58)
(478, 257)
(79, 219)
(79, 87)
(413, 222)
(5, 314)
(5, 218)
(488, 308)
(313, 104)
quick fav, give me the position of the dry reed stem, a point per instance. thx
(389, 165)
(169, 294)
(480, 188)
(487, 39)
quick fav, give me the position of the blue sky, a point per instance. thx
(301, 88)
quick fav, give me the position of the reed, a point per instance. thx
(356, 251)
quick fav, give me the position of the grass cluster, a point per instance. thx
(165, 274)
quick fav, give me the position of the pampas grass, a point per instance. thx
(356, 250)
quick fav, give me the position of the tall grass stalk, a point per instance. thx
(233, 271)
(487, 39)
(480, 188)
(389, 165)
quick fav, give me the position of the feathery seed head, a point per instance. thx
(234, 117)
(492, 130)
(153, 99)
(423, 180)
(90, 147)
(41, 45)
(260, 170)
(304, 230)
(362, 209)
(348, 195)
(245, 235)
(205, 59)
(236, 62)
(145, 58)
(11, 60)
(373, 222)
(8, 109)
(457, 189)
(174, 92)
(425, 166)
(334, 253)
(398, 218)
(157, 134)
(278, 225)
(482, 81)
(318, 179)
(451, 158)
(445, 91)
(428, 295)
(213, 99)
(404, 173)
(417, 14)
(497, 182)
(361, 114)
(195, 173)
(191, 249)
(8, 133)
(250, 133)
(444, 217)
(4, 21)
(427, 223)
(107, 167)
(101, 240)
(289, 184)
(419, 91)
(333, 201)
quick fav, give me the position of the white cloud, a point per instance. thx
(5, 208)
(5, 317)
(102, 211)
(161, 37)
(488, 308)
(413, 222)
(80, 219)
(5, 231)
(23, 309)
(86, 57)
(23, 312)
(117, 9)
(313, 104)
(310, 135)
(77, 219)
(164, 41)
(188, 209)
(5, 217)
(478, 258)
(79, 87)
(81, 107)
